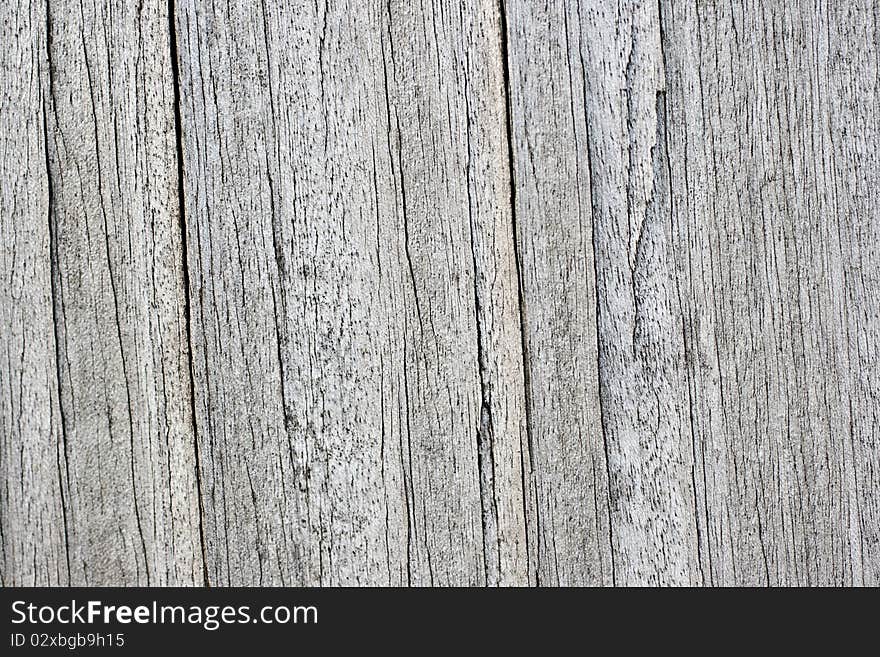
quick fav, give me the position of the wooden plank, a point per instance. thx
(593, 212)
(643, 400)
(356, 338)
(32, 522)
(128, 472)
(772, 138)
(503, 292)
(569, 472)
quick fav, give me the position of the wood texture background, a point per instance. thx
(569, 292)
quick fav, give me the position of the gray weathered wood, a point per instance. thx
(357, 349)
(32, 517)
(569, 471)
(105, 375)
(497, 292)
(642, 396)
(771, 115)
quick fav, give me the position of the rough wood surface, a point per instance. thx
(500, 292)
(98, 355)
(771, 115)
(33, 523)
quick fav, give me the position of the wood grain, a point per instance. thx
(439, 293)
(356, 336)
(109, 372)
(32, 512)
(554, 219)
(775, 208)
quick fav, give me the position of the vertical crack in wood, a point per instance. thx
(405, 461)
(63, 478)
(485, 432)
(520, 299)
(181, 203)
(406, 467)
